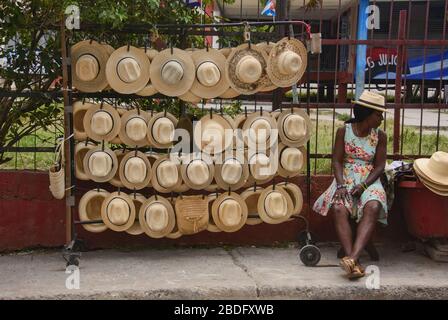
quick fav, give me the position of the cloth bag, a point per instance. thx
(192, 214)
(57, 172)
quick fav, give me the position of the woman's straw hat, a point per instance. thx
(172, 72)
(149, 89)
(229, 212)
(81, 150)
(102, 122)
(118, 211)
(210, 81)
(127, 70)
(89, 209)
(100, 165)
(246, 69)
(260, 129)
(213, 134)
(275, 205)
(157, 217)
(231, 172)
(250, 197)
(197, 171)
(135, 170)
(79, 111)
(166, 174)
(296, 196)
(287, 62)
(134, 128)
(161, 131)
(261, 168)
(136, 228)
(372, 100)
(116, 181)
(434, 171)
(294, 127)
(291, 160)
(89, 59)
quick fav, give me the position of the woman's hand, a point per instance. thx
(357, 191)
(340, 194)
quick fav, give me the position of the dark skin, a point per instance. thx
(372, 209)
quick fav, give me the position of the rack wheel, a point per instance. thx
(305, 237)
(309, 255)
(73, 260)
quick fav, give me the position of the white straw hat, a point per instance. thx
(157, 217)
(260, 129)
(434, 169)
(261, 168)
(135, 170)
(197, 171)
(102, 122)
(100, 165)
(268, 85)
(250, 197)
(81, 150)
(231, 172)
(275, 205)
(166, 174)
(162, 128)
(134, 128)
(213, 134)
(118, 211)
(294, 127)
(296, 196)
(79, 111)
(115, 180)
(138, 200)
(89, 209)
(431, 185)
(149, 89)
(229, 212)
(291, 160)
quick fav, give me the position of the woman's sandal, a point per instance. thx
(352, 268)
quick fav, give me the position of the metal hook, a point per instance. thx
(171, 48)
(102, 146)
(129, 47)
(230, 190)
(245, 111)
(211, 113)
(261, 111)
(255, 186)
(119, 190)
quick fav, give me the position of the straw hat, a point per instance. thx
(161, 131)
(261, 168)
(230, 93)
(231, 172)
(246, 69)
(89, 209)
(260, 129)
(287, 62)
(118, 211)
(275, 205)
(166, 175)
(81, 150)
(296, 196)
(250, 197)
(190, 97)
(121, 111)
(134, 128)
(294, 128)
(172, 72)
(434, 187)
(138, 200)
(116, 181)
(434, 169)
(79, 112)
(197, 171)
(229, 212)
(135, 170)
(102, 122)
(372, 100)
(211, 224)
(210, 81)
(213, 134)
(157, 217)
(127, 70)
(100, 165)
(149, 89)
(291, 160)
(268, 85)
(89, 59)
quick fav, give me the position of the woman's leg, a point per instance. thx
(342, 225)
(366, 227)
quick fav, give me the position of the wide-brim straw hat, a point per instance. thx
(430, 184)
(229, 212)
(268, 85)
(231, 172)
(230, 93)
(89, 59)
(435, 169)
(246, 69)
(81, 150)
(161, 130)
(294, 127)
(296, 196)
(135, 170)
(275, 205)
(197, 171)
(127, 70)
(134, 128)
(262, 168)
(166, 175)
(136, 228)
(121, 112)
(250, 197)
(102, 122)
(287, 62)
(157, 217)
(79, 111)
(89, 209)
(372, 100)
(118, 211)
(211, 224)
(260, 129)
(172, 72)
(210, 81)
(100, 164)
(116, 181)
(213, 134)
(149, 89)
(290, 160)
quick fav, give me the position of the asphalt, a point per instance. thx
(219, 273)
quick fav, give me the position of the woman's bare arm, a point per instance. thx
(380, 158)
(338, 156)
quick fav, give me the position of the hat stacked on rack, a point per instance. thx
(433, 172)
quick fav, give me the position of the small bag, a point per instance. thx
(57, 172)
(191, 214)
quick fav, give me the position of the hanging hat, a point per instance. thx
(210, 81)
(138, 200)
(172, 72)
(102, 122)
(213, 134)
(275, 205)
(134, 128)
(197, 171)
(259, 128)
(230, 93)
(127, 70)
(250, 197)
(212, 227)
(135, 170)
(89, 59)
(291, 160)
(89, 209)
(287, 62)
(190, 97)
(229, 212)
(161, 131)
(121, 111)
(100, 165)
(296, 196)
(157, 217)
(81, 150)
(268, 85)
(149, 89)
(79, 112)
(261, 168)
(231, 172)
(434, 169)
(246, 69)
(294, 128)
(166, 175)
(118, 211)
(372, 100)
(116, 181)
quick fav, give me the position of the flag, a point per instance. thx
(269, 8)
(193, 3)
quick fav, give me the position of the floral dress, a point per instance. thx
(358, 162)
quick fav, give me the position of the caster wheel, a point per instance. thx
(305, 237)
(73, 261)
(309, 255)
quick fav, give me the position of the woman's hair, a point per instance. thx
(360, 113)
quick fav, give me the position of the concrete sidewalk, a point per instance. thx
(237, 273)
